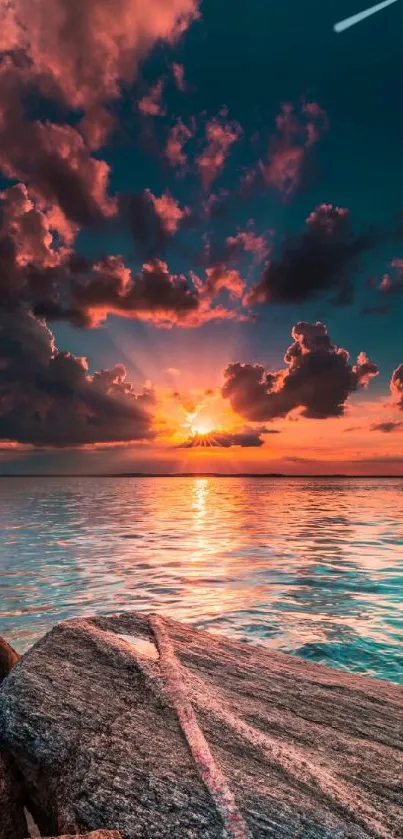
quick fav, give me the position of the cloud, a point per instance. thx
(151, 105)
(80, 52)
(246, 439)
(318, 379)
(169, 212)
(49, 398)
(56, 163)
(323, 258)
(39, 271)
(220, 136)
(219, 279)
(396, 386)
(178, 136)
(178, 72)
(77, 54)
(247, 241)
(386, 427)
(392, 282)
(290, 148)
(88, 292)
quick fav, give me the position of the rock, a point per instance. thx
(8, 657)
(194, 736)
(95, 834)
(12, 819)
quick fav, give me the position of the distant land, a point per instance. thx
(189, 475)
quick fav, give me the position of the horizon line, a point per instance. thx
(189, 475)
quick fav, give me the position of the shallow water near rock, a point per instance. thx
(310, 566)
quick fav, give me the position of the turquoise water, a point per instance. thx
(313, 567)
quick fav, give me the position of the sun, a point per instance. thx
(201, 428)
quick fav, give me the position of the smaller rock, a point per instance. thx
(8, 658)
(13, 824)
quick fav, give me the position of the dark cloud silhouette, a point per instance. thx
(247, 439)
(386, 427)
(49, 398)
(318, 379)
(322, 259)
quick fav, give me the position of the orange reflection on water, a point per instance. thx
(313, 566)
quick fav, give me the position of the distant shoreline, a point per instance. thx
(265, 475)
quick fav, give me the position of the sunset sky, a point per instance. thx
(201, 237)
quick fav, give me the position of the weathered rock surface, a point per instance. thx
(8, 658)
(12, 819)
(95, 834)
(213, 738)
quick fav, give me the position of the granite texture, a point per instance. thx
(213, 738)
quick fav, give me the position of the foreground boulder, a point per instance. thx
(12, 819)
(149, 727)
(8, 658)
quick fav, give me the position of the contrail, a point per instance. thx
(351, 21)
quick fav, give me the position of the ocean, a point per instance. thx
(310, 566)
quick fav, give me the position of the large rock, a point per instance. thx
(8, 658)
(212, 738)
(12, 819)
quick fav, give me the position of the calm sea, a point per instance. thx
(310, 566)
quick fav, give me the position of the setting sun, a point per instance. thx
(201, 427)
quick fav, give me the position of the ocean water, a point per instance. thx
(310, 566)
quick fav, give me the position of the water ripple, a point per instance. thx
(313, 567)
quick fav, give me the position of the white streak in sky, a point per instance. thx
(351, 21)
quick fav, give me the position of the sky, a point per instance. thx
(201, 237)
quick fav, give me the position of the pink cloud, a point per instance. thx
(96, 127)
(246, 240)
(393, 282)
(178, 136)
(220, 135)
(55, 162)
(29, 229)
(81, 51)
(178, 71)
(289, 148)
(169, 212)
(220, 278)
(151, 105)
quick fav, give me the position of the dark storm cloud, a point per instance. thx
(48, 398)
(321, 259)
(318, 379)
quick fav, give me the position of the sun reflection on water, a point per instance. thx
(314, 566)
